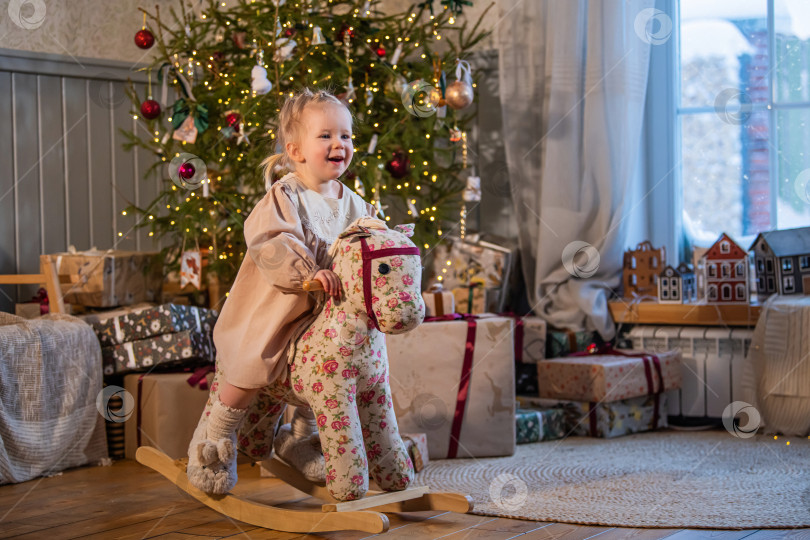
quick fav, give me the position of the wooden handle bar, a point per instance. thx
(313, 285)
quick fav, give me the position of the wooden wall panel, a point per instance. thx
(8, 243)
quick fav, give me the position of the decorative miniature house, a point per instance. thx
(782, 262)
(676, 285)
(641, 268)
(725, 268)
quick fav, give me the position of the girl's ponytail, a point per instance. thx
(269, 165)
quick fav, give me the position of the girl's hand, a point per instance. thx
(330, 282)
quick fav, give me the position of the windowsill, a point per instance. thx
(685, 314)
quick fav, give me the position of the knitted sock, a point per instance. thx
(212, 452)
(223, 421)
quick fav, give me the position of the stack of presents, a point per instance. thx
(162, 354)
(477, 380)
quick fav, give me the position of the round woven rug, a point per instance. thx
(663, 479)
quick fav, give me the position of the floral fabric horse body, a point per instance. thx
(340, 367)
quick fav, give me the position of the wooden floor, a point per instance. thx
(128, 500)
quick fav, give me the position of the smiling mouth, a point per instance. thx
(336, 159)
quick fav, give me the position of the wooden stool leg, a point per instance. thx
(48, 269)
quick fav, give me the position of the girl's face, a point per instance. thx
(325, 149)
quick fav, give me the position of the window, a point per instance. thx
(787, 264)
(761, 284)
(788, 284)
(724, 247)
(739, 108)
(675, 294)
(632, 262)
(769, 265)
(712, 292)
(771, 284)
(664, 294)
(654, 262)
(633, 280)
(760, 265)
(726, 268)
(739, 270)
(712, 270)
(804, 262)
(740, 292)
(664, 282)
(726, 291)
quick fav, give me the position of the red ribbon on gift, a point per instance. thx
(464, 382)
(647, 359)
(518, 335)
(44, 303)
(198, 378)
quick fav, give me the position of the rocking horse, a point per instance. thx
(339, 368)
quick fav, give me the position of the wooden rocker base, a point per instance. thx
(335, 516)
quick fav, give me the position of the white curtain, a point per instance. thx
(573, 79)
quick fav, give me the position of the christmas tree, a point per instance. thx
(228, 69)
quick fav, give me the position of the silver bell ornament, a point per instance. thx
(459, 94)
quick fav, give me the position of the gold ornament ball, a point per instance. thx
(458, 95)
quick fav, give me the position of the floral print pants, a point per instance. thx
(343, 376)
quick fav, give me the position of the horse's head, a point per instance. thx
(381, 270)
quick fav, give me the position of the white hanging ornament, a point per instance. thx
(284, 49)
(396, 55)
(317, 36)
(412, 207)
(459, 94)
(259, 82)
(472, 193)
(369, 96)
(191, 268)
(372, 145)
(359, 188)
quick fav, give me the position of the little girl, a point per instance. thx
(288, 235)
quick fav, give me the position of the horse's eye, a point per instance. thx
(384, 268)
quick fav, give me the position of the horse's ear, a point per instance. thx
(405, 228)
(362, 227)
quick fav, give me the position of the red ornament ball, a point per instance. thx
(399, 165)
(186, 171)
(144, 39)
(289, 32)
(380, 51)
(343, 31)
(150, 109)
(233, 120)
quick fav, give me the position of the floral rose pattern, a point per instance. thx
(340, 370)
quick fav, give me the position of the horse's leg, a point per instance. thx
(389, 463)
(343, 450)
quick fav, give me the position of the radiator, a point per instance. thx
(712, 365)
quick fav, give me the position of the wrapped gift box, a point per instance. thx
(148, 321)
(608, 377)
(539, 425)
(530, 348)
(417, 446)
(111, 278)
(166, 411)
(565, 342)
(474, 260)
(438, 302)
(471, 300)
(181, 348)
(427, 366)
(610, 419)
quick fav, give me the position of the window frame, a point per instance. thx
(662, 135)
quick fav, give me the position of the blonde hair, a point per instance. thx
(289, 128)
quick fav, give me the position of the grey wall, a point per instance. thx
(64, 177)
